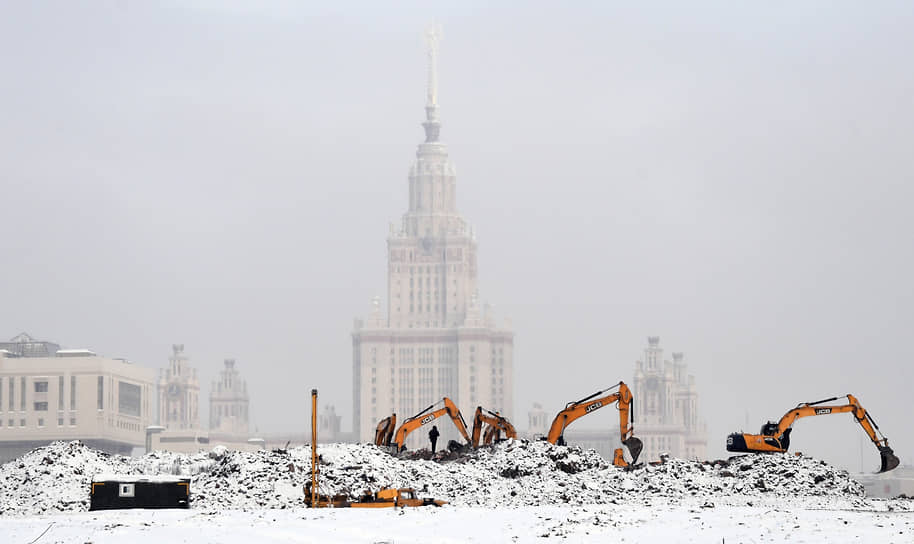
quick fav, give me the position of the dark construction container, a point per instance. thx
(114, 492)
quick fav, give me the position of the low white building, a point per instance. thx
(73, 395)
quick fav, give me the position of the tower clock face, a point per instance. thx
(174, 389)
(427, 244)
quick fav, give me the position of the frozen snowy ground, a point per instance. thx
(606, 523)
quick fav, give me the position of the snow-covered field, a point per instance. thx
(660, 522)
(516, 491)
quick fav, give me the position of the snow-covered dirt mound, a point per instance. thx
(512, 473)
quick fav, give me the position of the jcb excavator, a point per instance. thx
(775, 437)
(385, 430)
(496, 423)
(427, 416)
(576, 409)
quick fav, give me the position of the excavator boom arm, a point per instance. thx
(578, 409)
(575, 410)
(853, 406)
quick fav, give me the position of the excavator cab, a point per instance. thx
(769, 429)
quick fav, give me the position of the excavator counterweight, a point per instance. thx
(775, 437)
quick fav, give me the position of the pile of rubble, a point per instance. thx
(513, 473)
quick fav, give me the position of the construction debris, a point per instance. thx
(513, 473)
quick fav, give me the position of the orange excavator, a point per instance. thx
(427, 416)
(385, 430)
(574, 410)
(496, 422)
(775, 437)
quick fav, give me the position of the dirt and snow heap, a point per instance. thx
(513, 473)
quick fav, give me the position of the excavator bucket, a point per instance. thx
(635, 446)
(889, 460)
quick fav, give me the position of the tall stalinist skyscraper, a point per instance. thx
(435, 341)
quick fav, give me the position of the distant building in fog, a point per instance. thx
(72, 395)
(538, 421)
(229, 402)
(24, 345)
(434, 340)
(229, 409)
(179, 393)
(328, 424)
(666, 406)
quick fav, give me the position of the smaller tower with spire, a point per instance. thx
(229, 402)
(179, 393)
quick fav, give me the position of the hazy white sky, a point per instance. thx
(735, 180)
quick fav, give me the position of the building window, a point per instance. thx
(11, 423)
(129, 399)
(101, 392)
(72, 421)
(72, 394)
(41, 406)
(60, 422)
(41, 387)
(22, 395)
(60, 393)
(22, 422)
(41, 422)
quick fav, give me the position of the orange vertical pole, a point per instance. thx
(314, 448)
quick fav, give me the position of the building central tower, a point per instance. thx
(435, 341)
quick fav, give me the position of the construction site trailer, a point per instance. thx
(117, 491)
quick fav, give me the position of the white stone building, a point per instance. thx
(434, 340)
(666, 407)
(73, 395)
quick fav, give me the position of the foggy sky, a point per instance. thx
(735, 180)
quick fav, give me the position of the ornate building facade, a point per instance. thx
(229, 402)
(666, 406)
(179, 393)
(434, 340)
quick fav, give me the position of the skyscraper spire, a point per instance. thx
(432, 125)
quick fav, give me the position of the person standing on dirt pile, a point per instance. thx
(433, 436)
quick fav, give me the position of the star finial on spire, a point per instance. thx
(431, 124)
(432, 39)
